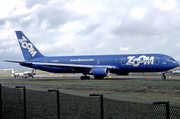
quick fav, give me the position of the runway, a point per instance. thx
(76, 77)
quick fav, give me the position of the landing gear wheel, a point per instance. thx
(85, 77)
(98, 77)
(163, 77)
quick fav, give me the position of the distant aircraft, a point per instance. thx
(176, 72)
(99, 66)
(23, 75)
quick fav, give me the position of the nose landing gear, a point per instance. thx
(163, 75)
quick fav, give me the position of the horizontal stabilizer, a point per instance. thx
(17, 61)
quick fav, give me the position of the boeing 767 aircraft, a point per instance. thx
(99, 66)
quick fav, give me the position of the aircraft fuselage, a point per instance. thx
(121, 63)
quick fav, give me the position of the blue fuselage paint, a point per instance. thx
(121, 63)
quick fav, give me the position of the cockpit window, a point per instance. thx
(169, 59)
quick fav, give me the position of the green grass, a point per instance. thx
(140, 89)
(42, 104)
(75, 106)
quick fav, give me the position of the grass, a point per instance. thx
(75, 106)
(158, 84)
(161, 90)
(42, 104)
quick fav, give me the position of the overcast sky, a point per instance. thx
(90, 27)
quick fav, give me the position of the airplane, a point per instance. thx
(99, 66)
(23, 75)
(176, 72)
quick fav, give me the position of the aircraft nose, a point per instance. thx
(175, 63)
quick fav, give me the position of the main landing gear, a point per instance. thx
(85, 77)
(98, 77)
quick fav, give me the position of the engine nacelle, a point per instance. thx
(123, 73)
(100, 71)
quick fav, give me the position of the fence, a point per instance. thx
(22, 103)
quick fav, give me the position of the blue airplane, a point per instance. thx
(99, 66)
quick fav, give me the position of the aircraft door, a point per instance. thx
(98, 61)
(45, 61)
(122, 61)
(156, 60)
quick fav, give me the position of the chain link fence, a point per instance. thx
(22, 103)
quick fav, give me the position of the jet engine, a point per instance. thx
(100, 72)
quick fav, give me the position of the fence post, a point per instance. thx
(0, 101)
(58, 108)
(167, 108)
(24, 93)
(101, 101)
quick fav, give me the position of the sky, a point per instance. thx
(90, 27)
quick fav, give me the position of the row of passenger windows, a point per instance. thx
(90, 62)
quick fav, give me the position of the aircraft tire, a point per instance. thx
(98, 77)
(163, 77)
(85, 77)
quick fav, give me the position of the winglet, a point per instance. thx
(28, 49)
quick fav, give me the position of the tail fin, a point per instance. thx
(28, 49)
(12, 71)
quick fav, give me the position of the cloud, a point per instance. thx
(10, 8)
(89, 29)
(124, 48)
(6, 31)
(137, 13)
(101, 45)
(72, 27)
(8, 43)
(83, 8)
(1, 50)
(10, 49)
(165, 5)
(77, 27)
(177, 44)
(161, 42)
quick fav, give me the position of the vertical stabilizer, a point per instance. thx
(28, 49)
(13, 73)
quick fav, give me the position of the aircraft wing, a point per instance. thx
(62, 65)
(17, 61)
